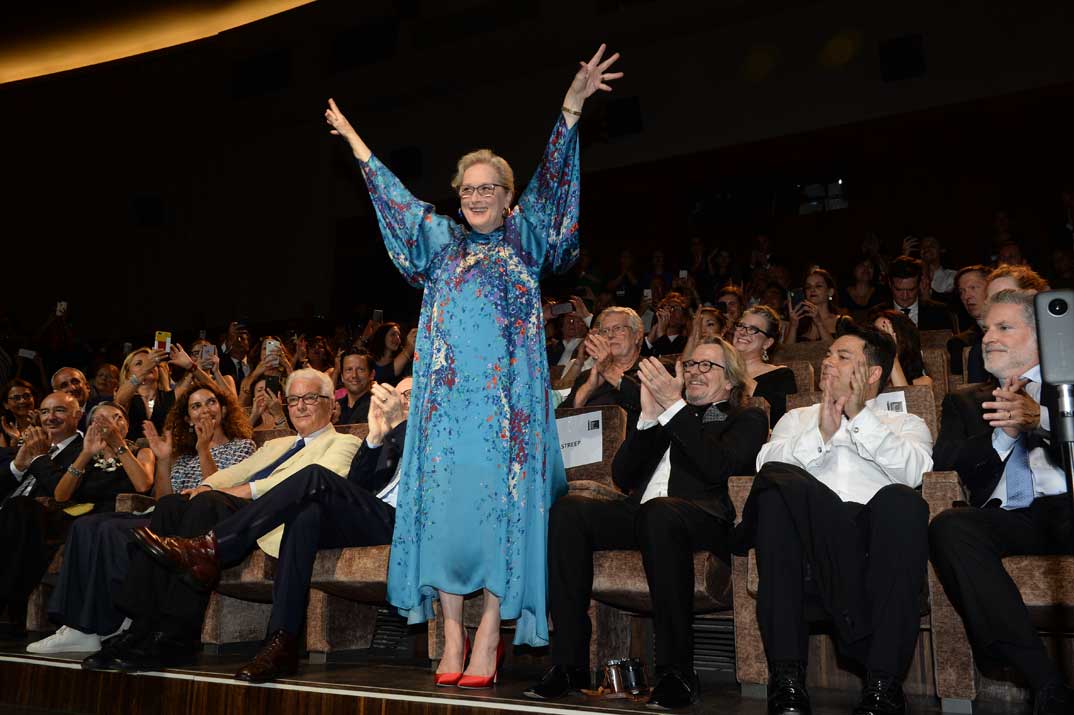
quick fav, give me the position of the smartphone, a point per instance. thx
(647, 294)
(378, 315)
(28, 354)
(562, 308)
(272, 352)
(127, 347)
(162, 340)
(272, 384)
(201, 335)
(795, 296)
(61, 307)
(206, 359)
(684, 274)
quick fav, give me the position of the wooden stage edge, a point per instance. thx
(56, 683)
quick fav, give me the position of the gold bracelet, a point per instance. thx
(568, 110)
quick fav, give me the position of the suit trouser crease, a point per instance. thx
(890, 533)
(319, 510)
(666, 530)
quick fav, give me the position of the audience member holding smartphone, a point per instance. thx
(814, 317)
(145, 389)
(267, 412)
(391, 355)
(275, 362)
(203, 363)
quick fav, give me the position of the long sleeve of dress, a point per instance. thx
(549, 205)
(413, 232)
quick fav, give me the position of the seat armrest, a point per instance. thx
(132, 503)
(941, 491)
(594, 490)
(738, 488)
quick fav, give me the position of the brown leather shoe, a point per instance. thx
(278, 657)
(194, 558)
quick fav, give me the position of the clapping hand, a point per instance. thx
(11, 430)
(204, 428)
(378, 425)
(161, 447)
(831, 412)
(666, 389)
(391, 405)
(1012, 410)
(94, 442)
(859, 384)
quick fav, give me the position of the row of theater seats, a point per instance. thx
(349, 585)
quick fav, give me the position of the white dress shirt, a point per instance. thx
(390, 493)
(915, 310)
(943, 280)
(876, 448)
(1048, 478)
(658, 483)
(569, 347)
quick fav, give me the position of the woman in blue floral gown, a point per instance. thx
(482, 463)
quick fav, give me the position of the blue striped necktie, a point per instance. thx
(1019, 477)
(265, 471)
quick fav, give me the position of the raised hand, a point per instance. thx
(666, 389)
(11, 430)
(204, 428)
(597, 347)
(1012, 410)
(859, 384)
(273, 405)
(180, 358)
(391, 405)
(161, 447)
(378, 425)
(342, 128)
(590, 77)
(650, 408)
(831, 414)
(579, 307)
(94, 441)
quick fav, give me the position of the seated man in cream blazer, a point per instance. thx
(166, 610)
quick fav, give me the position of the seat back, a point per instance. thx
(937, 366)
(920, 401)
(804, 374)
(359, 430)
(935, 338)
(613, 421)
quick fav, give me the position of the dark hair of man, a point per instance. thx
(879, 348)
(370, 364)
(905, 267)
(977, 268)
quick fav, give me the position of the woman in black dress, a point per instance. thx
(755, 334)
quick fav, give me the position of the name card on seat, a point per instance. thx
(581, 439)
(892, 401)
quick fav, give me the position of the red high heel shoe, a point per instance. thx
(447, 680)
(477, 682)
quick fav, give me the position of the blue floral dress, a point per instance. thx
(482, 463)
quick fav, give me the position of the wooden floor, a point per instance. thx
(349, 683)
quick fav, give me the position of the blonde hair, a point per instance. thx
(734, 369)
(485, 156)
(163, 375)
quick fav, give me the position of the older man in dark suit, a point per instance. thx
(997, 437)
(674, 467)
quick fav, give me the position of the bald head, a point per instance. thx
(60, 413)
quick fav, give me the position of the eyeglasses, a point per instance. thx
(484, 190)
(750, 330)
(309, 398)
(21, 397)
(702, 366)
(405, 395)
(613, 330)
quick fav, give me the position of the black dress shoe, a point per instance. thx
(675, 690)
(559, 681)
(787, 694)
(1053, 699)
(881, 696)
(113, 648)
(156, 652)
(277, 657)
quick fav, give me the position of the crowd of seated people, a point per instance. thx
(688, 357)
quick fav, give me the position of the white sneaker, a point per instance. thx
(67, 640)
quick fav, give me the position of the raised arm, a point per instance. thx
(413, 232)
(591, 76)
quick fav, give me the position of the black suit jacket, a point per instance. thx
(664, 346)
(703, 456)
(48, 471)
(931, 315)
(373, 467)
(965, 441)
(627, 395)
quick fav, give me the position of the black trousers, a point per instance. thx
(890, 535)
(155, 598)
(667, 530)
(319, 510)
(967, 546)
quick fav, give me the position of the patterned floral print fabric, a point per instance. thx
(482, 463)
(186, 470)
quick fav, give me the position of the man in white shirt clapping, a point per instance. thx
(839, 529)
